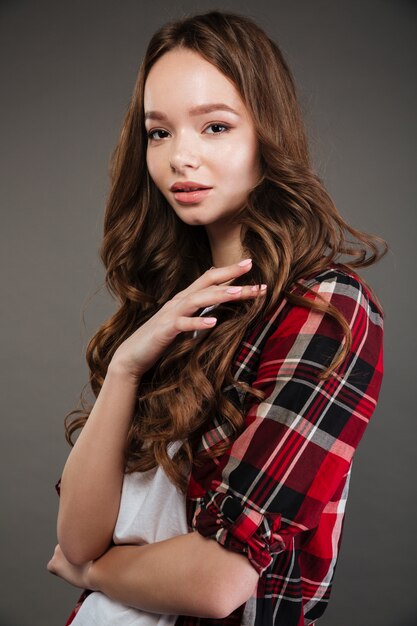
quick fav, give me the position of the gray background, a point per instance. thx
(67, 72)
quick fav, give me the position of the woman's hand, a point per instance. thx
(77, 575)
(143, 348)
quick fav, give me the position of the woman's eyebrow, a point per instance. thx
(197, 110)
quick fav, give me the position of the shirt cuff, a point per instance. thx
(239, 527)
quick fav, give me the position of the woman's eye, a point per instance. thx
(151, 133)
(158, 133)
(216, 127)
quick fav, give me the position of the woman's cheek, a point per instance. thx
(153, 171)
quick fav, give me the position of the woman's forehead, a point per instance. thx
(182, 78)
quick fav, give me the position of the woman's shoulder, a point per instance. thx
(339, 282)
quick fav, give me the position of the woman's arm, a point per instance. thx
(295, 452)
(93, 474)
(184, 575)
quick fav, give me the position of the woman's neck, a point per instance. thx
(225, 243)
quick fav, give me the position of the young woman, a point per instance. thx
(233, 385)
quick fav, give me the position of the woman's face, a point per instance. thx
(199, 130)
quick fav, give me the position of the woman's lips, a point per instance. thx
(190, 197)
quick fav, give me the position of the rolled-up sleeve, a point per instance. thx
(297, 445)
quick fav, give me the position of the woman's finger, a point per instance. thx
(217, 276)
(190, 302)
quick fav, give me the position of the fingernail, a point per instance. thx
(263, 286)
(209, 320)
(234, 289)
(245, 262)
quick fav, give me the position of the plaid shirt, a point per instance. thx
(278, 494)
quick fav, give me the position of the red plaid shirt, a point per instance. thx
(278, 494)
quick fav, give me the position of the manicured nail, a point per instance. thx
(263, 287)
(209, 320)
(234, 289)
(245, 262)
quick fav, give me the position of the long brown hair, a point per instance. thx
(291, 228)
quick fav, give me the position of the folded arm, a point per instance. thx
(184, 575)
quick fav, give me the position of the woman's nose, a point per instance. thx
(184, 154)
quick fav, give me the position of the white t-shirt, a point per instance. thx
(151, 509)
